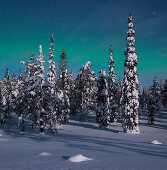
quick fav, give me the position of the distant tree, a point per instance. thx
(102, 114)
(151, 109)
(144, 98)
(113, 90)
(131, 103)
(120, 97)
(155, 91)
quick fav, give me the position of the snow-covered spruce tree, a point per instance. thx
(41, 62)
(31, 90)
(50, 89)
(52, 68)
(113, 90)
(164, 94)
(102, 113)
(14, 93)
(131, 103)
(64, 87)
(86, 88)
(31, 66)
(6, 91)
(21, 104)
(151, 109)
(42, 82)
(155, 92)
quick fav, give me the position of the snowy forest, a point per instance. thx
(47, 98)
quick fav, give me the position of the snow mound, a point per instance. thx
(156, 142)
(45, 154)
(79, 158)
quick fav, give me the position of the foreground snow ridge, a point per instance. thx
(45, 154)
(79, 158)
(156, 142)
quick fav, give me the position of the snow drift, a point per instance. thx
(45, 154)
(79, 158)
(156, 142)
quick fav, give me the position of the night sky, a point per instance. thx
(85, 29)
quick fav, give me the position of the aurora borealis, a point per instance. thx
(85, 29)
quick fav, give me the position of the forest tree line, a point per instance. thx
(53, 99)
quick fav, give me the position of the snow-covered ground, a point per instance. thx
(85, 146)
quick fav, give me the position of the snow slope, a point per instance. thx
(109, 149)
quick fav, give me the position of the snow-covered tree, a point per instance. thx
(102, 114)
(14, 93)
(21, 99)
(41, 62)
(52, 68)
(32, 90)
(64, 87)
(51, 104)
(6, 91)
(152, 100)
(164, 94)
(42, 80)
(32, 68)
(86, 88)
(151, 109)
(155, 92)
(131, 103)
(113, 89)
(62, 68)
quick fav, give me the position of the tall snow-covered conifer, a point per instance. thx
(50, 90)
(52, 68)
(41, 61)
(113, 96)
(131, 103)
(6, 92)
(64, 87)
